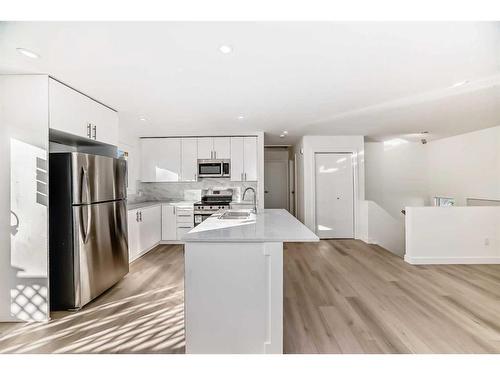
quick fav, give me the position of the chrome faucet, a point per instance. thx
(254, 198)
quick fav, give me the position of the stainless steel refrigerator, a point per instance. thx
(87, 227)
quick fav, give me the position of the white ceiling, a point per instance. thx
(379, 79)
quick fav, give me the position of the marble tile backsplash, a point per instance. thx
(190, 190)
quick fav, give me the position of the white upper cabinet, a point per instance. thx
(161, 159)
(222, 147)
(250, 158)
(205, 148)
(214, 148)
(244, 159)
(189, 159)
(77, 114)
(176, 159)
(237, 163)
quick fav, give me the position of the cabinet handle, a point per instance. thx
(184, 227)
(215, 154)
(245, 176)
(137, 216)
(89, 127)
(140, 215)
(183, 215)
(95, 131)
(241, 176)
(195, 177)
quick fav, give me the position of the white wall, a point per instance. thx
(378, 227)
(313, 144)
(24, 197)
(397, 175)
(466, 166)
(452, 235)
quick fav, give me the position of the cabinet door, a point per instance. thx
(168, 223)
(160, 159)
(237, 165)
(104, 123)
(205, 148)
(133, 235)
(150, 221)
(250, 158)
(68, 109)
(189, 159)
(222, 147)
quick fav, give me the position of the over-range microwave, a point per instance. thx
(214, 168)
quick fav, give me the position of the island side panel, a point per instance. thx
(234, 297)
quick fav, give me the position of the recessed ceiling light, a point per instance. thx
(241, 117)
(225, 49)
(282, 135)
(28, 53)
(143, 119)
(461, 83)
(285, 132)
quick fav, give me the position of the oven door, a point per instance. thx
(210, 168)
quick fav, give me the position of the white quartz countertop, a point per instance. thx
(270, 225)
(179, 203)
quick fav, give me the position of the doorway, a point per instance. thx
(334, 195)
(276, 184)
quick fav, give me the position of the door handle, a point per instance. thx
(85, 179)
(86, 231)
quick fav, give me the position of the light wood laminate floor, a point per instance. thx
(341, 296)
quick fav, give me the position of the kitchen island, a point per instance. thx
(234, 282)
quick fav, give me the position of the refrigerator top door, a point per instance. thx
(97, 178)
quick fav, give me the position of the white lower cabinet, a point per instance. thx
(134, 247)
(168, 223)
(176, 221)
(144, 230)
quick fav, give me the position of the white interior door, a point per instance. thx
(276, 184)
(334, 195)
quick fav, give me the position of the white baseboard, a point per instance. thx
(451, 260)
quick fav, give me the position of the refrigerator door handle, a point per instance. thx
(86, 232)
(85, 178)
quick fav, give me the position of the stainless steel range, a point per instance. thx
(212, 201)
